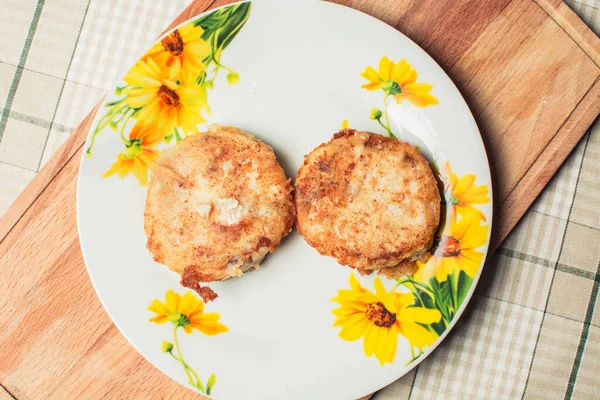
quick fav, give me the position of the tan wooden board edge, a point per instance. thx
(69, 348)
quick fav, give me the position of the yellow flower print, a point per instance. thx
(463, 195)
(139, 153)
(166, 97)
(399, 80)
(456, 251)
(186, 311)
(345, 124)
(380, 317)
(184, 45)
(167, 88)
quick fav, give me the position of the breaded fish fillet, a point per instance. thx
(369, 201)
(217, 203)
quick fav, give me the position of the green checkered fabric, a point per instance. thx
(57, 61)
(532, 330)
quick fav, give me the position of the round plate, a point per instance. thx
(302, 326)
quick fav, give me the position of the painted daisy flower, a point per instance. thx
(456, 251)
(399, 80)
(185, 45)
(463, 195)
(380, 317)
(166, 97)
(186, 311)
(139, 153)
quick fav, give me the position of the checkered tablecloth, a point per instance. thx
(531, 331)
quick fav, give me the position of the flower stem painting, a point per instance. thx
(186, 312)
(399, 82)
(166, 92)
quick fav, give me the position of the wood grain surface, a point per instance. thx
(528, 69)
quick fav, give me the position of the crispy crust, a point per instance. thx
(217, 204)
(191, 278)
(367, 200)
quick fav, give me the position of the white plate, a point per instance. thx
(299, 66)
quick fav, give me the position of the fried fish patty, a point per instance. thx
(369, 201)
(217, 203)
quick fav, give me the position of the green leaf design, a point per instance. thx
(225, 23)
(112, 103)
(211, 22)
(442, 293)
(463, 286)
(445, 296)
(423, 299)
(211, 382)
(234, 24)
(439, 327)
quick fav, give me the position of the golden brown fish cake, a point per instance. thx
(217, 203)
(369, 201)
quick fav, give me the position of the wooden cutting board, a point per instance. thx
(528, 69)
